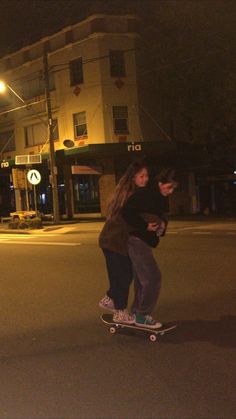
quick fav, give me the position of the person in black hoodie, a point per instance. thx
(144, 211)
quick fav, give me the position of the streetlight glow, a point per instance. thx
(2, 86)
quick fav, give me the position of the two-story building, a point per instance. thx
(96, 120)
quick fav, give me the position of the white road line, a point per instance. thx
(25, 236)
(185, 228)
(42, 243)
(202, 232)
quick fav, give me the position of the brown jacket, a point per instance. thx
(114, 236)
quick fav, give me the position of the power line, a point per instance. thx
(66, 65)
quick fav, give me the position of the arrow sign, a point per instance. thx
(34, 177)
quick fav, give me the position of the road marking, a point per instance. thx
(42, 243)
(202, 232)
(25, 236)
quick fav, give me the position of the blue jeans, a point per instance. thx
(120, 274)
(147, 276)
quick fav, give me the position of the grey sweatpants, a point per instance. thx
(147, 276)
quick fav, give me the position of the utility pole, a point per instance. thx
(53, 168)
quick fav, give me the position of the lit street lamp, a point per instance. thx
(53, 178)
(4, 86)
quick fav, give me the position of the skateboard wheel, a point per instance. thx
(153, 338)
(112, 330)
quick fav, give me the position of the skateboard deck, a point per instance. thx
(152, 333)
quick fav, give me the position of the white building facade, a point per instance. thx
(95, 110)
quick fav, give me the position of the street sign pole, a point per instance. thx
(34, 177)
(26, 190)
(35, 200)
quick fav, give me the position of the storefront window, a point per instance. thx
(86, 193)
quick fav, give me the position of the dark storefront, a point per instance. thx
(87, 175)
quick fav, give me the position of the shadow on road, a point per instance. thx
(221, 332)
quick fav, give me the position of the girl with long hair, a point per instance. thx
(113, 240)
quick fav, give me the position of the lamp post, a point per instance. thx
(53, 177)
(53, 168)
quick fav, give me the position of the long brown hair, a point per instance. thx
(124, 189)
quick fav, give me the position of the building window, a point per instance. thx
(38, 133)
(7, 141)
(117, 63)
(80, 125)
(34, 86)
(120, 119)
(76, 71)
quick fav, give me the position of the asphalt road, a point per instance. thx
(57, 360)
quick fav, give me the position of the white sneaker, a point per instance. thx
(107, 303)
(123, 316)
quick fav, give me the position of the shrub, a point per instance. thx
(35, 223)
(14, 224)
(28, 223)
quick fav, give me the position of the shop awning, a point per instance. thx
(157, 147)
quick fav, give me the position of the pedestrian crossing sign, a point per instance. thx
(34, 177)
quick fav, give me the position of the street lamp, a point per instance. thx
(4, 86)
(53, 178)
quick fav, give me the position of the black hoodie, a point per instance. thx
(148, 200)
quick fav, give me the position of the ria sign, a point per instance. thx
(4, 164)
(134, 147)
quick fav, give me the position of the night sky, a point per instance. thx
(25, 21)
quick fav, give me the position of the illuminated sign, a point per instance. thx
(4, 164)
(34, 177)
(134, 147)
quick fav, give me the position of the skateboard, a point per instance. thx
(152, 333)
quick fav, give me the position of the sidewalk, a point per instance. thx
(95, 225)
(79, 225)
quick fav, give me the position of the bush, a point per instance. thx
(35, 223)
(14, 224)
(28, 223)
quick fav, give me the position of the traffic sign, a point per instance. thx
(34, 177)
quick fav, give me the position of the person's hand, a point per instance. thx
(152, 226)
(161, 229)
